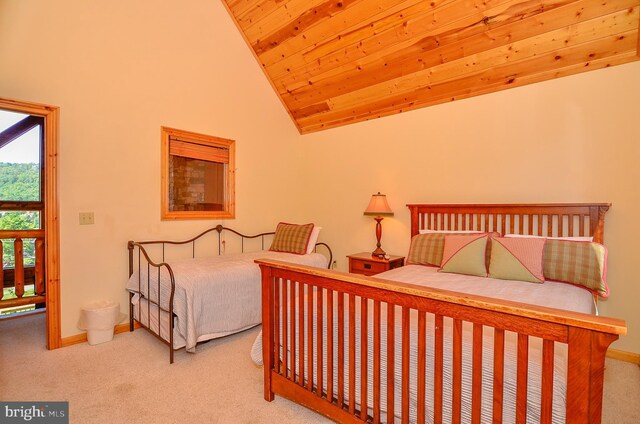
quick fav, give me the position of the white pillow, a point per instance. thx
(313, 238)
(426, 231)
(589, 239)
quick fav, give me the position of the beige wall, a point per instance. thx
(120, 70)
(575, 139)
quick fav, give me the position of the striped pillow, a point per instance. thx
(517, 259)
(577, 262)
(291, 238)
(465, 254)
(426, 249)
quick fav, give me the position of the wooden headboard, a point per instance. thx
(551, 220)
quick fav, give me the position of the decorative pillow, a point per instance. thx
(313, 239)
(426, 249)
(291, 238)
(465, 254)
(577, 262)
(517, 259)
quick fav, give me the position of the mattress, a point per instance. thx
(549, 294)
(213, 297)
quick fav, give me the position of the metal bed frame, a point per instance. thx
(142, 252)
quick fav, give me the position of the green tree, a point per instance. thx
(19, 181)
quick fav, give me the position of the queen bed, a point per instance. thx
(417, 345)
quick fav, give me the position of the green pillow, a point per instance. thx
(465, 254)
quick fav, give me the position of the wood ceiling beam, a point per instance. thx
(19, 128)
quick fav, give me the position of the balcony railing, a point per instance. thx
(15, 278)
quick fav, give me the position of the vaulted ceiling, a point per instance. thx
(337, 62)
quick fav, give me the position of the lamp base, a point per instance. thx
(378, 253)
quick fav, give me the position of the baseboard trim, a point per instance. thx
(82, 337)
(621, 355)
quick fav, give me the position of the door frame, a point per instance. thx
(51, 210)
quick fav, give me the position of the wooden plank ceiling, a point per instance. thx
(338, 62)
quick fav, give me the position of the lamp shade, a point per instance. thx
(378, 206)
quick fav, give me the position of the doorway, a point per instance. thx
(29, 205)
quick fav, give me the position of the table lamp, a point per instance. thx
(378, 208)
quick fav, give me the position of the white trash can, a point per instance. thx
(99, 319)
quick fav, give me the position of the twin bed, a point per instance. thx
(208, 295)
(408, 345)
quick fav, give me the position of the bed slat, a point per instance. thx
(405, 364)
(319, 332)
(498, 373)
(285, 341)
(547, 382)
(340, 349)
(276, 325)
(456, 407)
(521, 385)
(364, 337)
(391, 342)
(301, 373)
(438, 367)
(422, 357)
(268, 311)
(476, 385)
(352, 354)
(376, 362)
(330, 345)
(292, 328)
(310, 337)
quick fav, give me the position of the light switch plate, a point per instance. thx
(86, 218)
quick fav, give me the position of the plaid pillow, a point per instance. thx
(291, 238)
(427, 248)
(576, 262)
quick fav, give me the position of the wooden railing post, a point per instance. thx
(587, 351)
(19, 267)
(39, 267)
(19, 275)
(267, 331)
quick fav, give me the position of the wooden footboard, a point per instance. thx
(298, 327)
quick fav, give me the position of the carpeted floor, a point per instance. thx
(129, 380)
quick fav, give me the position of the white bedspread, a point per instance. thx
(550, 294)
(214, 296)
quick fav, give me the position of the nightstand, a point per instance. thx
(365, 264)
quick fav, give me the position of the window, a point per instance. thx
(197, 176)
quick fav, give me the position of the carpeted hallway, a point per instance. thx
(129, 380)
